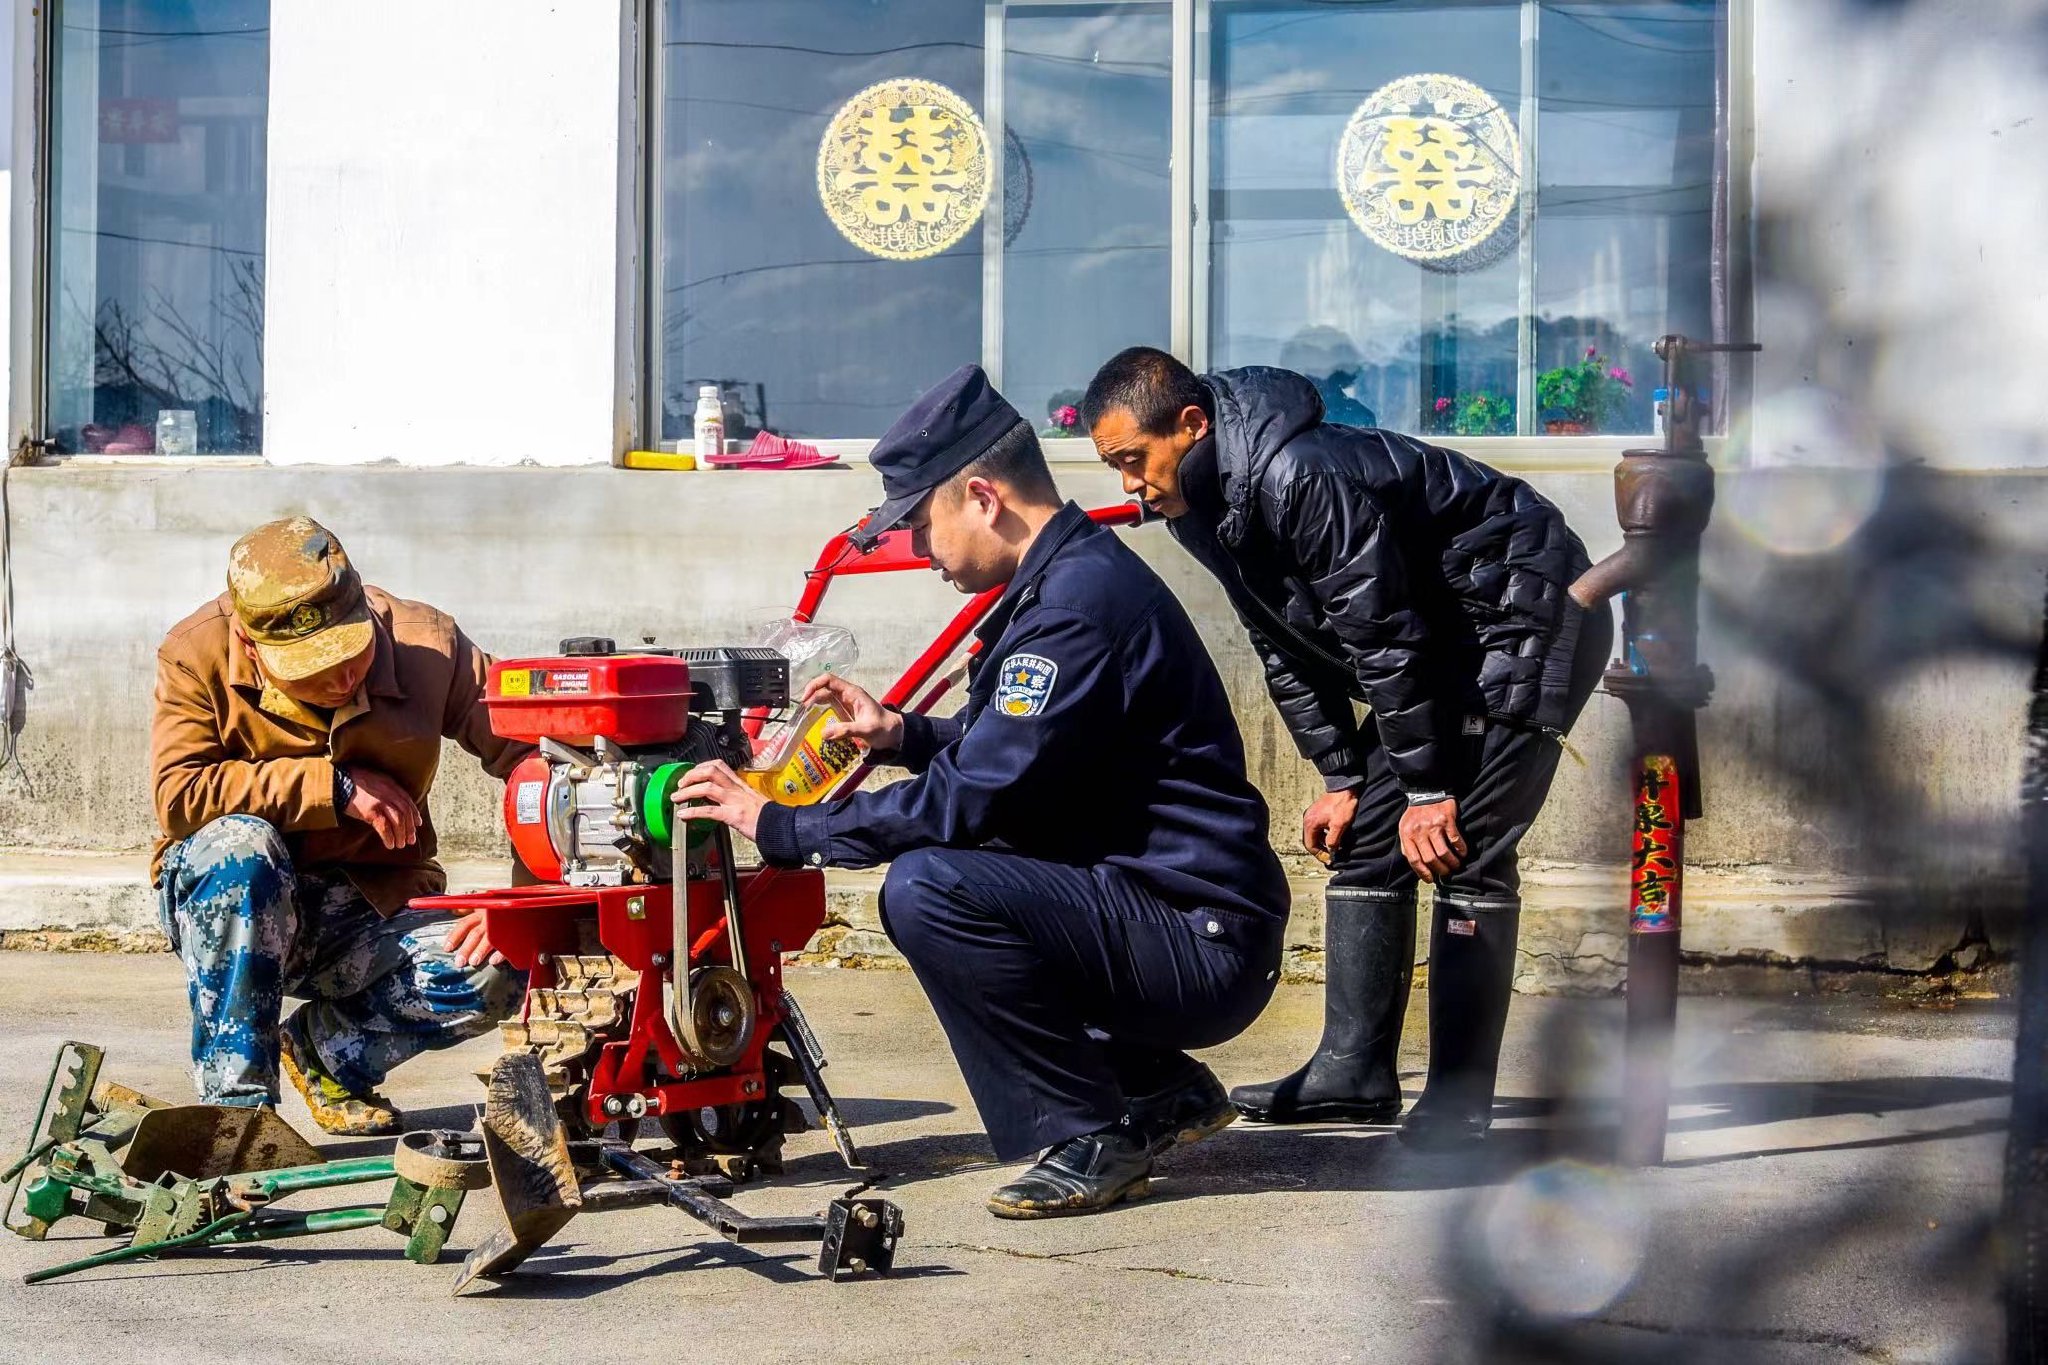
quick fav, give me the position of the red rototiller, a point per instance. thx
(654, 958)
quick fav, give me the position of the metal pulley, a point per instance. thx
(714, 1019)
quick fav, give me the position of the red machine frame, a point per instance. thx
(528, 924)
(780, 908)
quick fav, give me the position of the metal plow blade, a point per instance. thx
(528, 1151)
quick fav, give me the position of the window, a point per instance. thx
(1545, 322)
(814, 329)
(1459, 217)
(154, 276)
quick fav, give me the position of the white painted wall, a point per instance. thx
(1903, 300)
(444, 233)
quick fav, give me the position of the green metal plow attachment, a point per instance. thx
(194, 1176)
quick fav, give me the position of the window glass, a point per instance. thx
(1294, 280)
(1624, 231)
(155, 279)
(1087, 266)
(1358, 233)
(825, 255)
(805, 332)
(822, 298)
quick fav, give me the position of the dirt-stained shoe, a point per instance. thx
(1184, 1113)
(335, 1108)
(1084, 1174)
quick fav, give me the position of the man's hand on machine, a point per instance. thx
(868, 721)
(1430, 840)
(469, 944)
(384, 806)
(713, 791)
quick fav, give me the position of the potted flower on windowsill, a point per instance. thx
(1584, 396)
(1475, 414)
(1064, 424)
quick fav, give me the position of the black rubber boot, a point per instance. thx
(1471, 977)
(1368, 958)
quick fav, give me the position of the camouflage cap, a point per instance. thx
(298, 597)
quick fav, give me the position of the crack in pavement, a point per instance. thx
(1066, 1257)
(1180, 1274)
(1027, 1255)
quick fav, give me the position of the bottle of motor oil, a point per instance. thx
(709, 426)
(798, 765)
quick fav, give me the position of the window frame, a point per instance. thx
(29, 266)
(1189, 228)
(28, 259)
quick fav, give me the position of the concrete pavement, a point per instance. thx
(1831, 1167)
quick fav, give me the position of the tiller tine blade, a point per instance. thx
(528, 1151)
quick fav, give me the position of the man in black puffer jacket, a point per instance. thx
(1372, 567)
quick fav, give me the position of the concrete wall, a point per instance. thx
(106, 559)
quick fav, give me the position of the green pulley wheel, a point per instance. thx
(657, 806)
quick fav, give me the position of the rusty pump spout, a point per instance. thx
(1663, 497)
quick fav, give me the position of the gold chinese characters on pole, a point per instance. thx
(1429, 168)
(903, 170)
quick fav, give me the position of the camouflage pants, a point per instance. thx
(252, 930)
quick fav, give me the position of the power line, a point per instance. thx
(968, 254)
(169, 32)
(164, 241)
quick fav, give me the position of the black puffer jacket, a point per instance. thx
(1369, 565)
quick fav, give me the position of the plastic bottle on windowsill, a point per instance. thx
(709, 426)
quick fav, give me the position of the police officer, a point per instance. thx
(1079, 871)
(1371, 567)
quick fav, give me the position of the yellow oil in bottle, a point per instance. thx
(800, 765)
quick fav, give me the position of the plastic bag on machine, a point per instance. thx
(810, 648)
(792, 761)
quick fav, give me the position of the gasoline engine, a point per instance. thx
(654, 958)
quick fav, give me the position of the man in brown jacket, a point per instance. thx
(299, 720)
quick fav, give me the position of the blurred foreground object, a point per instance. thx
(2026, 1153)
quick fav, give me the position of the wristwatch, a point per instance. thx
(344, 788)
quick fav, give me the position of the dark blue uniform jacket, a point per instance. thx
(1096, 732)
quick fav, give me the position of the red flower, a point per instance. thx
(1443, 405)
(1068, 416)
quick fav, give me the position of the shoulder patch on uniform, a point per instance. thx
(1026, 684)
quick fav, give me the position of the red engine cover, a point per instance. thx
(627, 698)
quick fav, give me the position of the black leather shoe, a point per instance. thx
(1183, 1113)
(1081, 1175)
